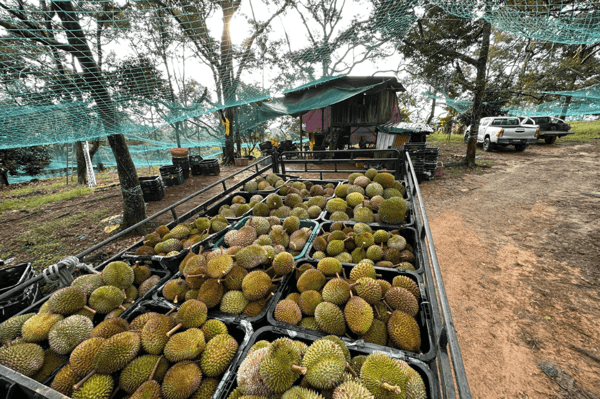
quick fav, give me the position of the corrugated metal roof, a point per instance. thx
(405, 127)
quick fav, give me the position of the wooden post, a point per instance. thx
(300, 117)
(67, 165)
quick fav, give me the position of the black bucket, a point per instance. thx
(184, 163)
(210, 167)
(195, 165)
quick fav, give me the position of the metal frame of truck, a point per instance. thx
(447, 366)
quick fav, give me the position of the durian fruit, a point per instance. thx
(330, 318)
(233, 302)
(248, 375)
(211, 292)
(299, 238)
(207, 389)
(384, 377)
(368, 289)
(403, 331)
(279, 236)
(219, 266)
(401, 299)
(297, 392)
(191, 314)
(283, 263)
(312, 279)
(140, 321)
(336, 291)
(256, 285)
(147, 285)
(36, 328)
(97, 387)
(64, 380)
(363, 269)
(408, 284)
(211, 328)
(359, 315)
(52, 361)
(393, 210)
(309, 301)
(288, 311)
(242, 237)
(181, 380)
(66, 334)
(81, 358)
(260, 224)
(106, 298)
(118, 274)
(116, 352)
(185, 345)
(169, 245)
(154, 334)
(325, 364)
(67, 301)
(291, 224)
(148, 390)
(25, 358)
(251, 256)
(352, 390)
(11, 328)
(88, 283)
(140, 370)
(329, 266)
(377, 334)
(175, 290)
(110, 327)
(281, 365)
(218, 354)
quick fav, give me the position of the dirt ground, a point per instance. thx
(519, 246)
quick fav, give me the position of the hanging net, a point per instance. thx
(159, 72)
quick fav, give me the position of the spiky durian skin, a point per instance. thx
(185, 345)
(25, 358)
(36, 328)
(330, 318)
(218, 354)
(116, 352)
(276, 367)
(118, 274)
(11, 328)
(139, 370)
(148, 390)
(99, 386)
(83, 354)
(404, 331)
(64, 380)
(65, 335)
(181, 380)
(379, 368)
(325, 363)
(352, 390)
(248, 375)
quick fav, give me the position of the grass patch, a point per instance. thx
(583, 130)
(456, 172)
(44, 243)
(442, 138)
(18, 191)
(37, 201)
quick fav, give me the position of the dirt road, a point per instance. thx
(519, 248)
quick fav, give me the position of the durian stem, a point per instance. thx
(378, 275)
(388, 306)
(346, 334)
(115, 391)
(175, 299)
(391, 388)
(269, 269)
(174, 329)
(123, 308)
(196, 275)
(170, 311)
(276, 280)
(299, 369)
(337, 274)
(377, 312)
(344, 273)
(87, 377)
(350, 370)
(154, 369)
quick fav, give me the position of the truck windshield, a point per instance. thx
(542, 120)
(505, 122)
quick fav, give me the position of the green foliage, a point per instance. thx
(37, 201)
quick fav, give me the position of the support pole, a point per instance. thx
(300, 117)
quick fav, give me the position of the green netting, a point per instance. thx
(592, 92)
(158, 71)
(577, 106)
(460, 106)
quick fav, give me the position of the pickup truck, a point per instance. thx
(550, 128)
(503, 131)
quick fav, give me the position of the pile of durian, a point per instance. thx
(167, 242)
(154, 356)
(353, 243)
(323, 369)
(370, 198)
(241, 278)
(66, 319)
(306, 189)
(271, 182)
(373, 309)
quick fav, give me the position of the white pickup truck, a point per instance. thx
(503, 131)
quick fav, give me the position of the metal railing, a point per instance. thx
(449, 360)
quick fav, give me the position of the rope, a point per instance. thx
(61, 273)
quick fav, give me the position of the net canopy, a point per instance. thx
(460, 106)
(576, 106)
(159, 71)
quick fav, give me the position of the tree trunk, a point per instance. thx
(431, 115)
(81, 168)
(134, 208)
(4, 178)
(479, 92)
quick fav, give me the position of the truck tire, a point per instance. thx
(487, 144)
(550, 140)
(520, 147)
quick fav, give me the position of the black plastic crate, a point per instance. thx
(240, 330)
(184, 163)
(172, 175)
(216, 313)
(152, 188)
(10, 277)
(428, 346)
(171, 263)
(98, 318)
(271, 333)
(407, 232)
(408, 220)
(214, 209)
(16, 385)
(210, 167)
